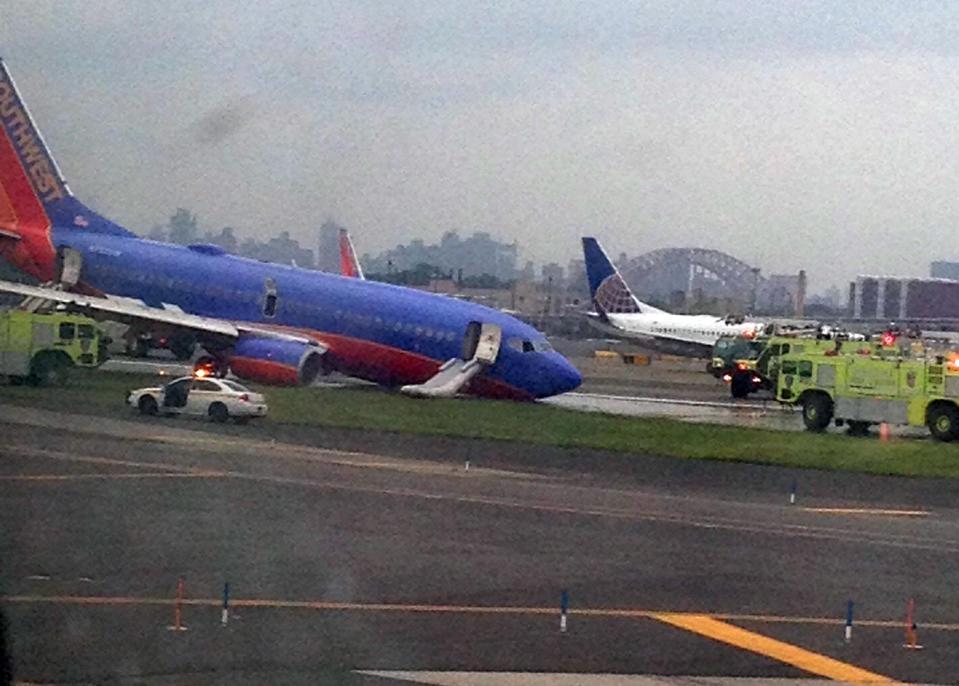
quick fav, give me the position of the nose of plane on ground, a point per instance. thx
(564, 376)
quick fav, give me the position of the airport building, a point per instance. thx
(897, 298)
(944, 270)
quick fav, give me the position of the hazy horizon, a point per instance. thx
(814, 136)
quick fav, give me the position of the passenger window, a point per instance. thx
(85, 331)
(805, 369)
(201, 385)
(269, 302)
(269, 309)
(67, 331)
(789, 367)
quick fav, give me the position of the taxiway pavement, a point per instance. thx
(387, 554)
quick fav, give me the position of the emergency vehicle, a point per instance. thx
(42, 348)
(757, 367)
(863, 383)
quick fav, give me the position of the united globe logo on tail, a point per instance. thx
(613, 296)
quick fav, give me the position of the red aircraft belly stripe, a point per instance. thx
(388, 365)
(35, 253)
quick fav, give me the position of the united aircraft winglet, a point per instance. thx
(264, 322)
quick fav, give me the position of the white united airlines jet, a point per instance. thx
(620, 313)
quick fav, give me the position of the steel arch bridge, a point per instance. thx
(660, 273)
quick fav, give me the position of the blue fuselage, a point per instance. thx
(376, 331)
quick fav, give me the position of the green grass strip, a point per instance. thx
(103, 394)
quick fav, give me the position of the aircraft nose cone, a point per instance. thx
(567, 376)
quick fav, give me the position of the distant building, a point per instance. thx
(474, 256)
(944, 270)
(576, 278)
(328, 248)
(782, 294)
(828, 304)
(553, 274)
(894, 298)
(280, 249)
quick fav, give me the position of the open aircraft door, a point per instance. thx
(487, 347)
(481, 342)
(70, 262)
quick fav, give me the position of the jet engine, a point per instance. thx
(276, 362)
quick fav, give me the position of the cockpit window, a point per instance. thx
(542, 346)
(523, 345)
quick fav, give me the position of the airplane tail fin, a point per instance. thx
(34, 196)
(349, 263)
(607, 287)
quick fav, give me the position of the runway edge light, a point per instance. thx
(225, 614)
(563, 610)
(848, 621)
(792, 493)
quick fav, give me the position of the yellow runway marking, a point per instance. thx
(867, 511)
(778, 650)
(139, 475)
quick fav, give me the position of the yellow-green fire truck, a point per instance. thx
(756, 367)
(42, 348)
(864, 383)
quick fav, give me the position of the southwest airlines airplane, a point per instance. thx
(619, 312)
(266, 322)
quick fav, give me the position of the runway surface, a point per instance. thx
(356, 566)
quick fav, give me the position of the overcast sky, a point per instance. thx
(816, 135)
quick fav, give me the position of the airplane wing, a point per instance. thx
(133, 311)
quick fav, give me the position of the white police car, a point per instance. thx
(218, 399)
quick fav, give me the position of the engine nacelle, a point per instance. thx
(276, 362)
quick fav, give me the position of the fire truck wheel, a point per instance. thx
(49, 368)
(943, 422)
(816, 411)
